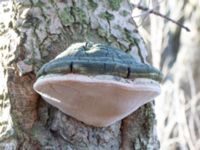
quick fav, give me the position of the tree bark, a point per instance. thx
(32, 33)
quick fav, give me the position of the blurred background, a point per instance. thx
(177, 53)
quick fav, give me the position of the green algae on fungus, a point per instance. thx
(87, 78)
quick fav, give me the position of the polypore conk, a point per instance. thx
(97, 84)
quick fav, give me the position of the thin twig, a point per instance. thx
(151, 11)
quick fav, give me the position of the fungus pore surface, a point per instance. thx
(75, 83)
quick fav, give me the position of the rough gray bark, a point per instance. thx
(33, 32)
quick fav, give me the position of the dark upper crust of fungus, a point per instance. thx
(95, 59)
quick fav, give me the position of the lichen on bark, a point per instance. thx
(37, 31)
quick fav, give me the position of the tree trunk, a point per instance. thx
(32, 33)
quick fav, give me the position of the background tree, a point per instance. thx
(34, 31)
(177, 53)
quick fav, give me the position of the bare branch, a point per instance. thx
(151, 11)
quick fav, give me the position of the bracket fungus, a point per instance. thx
(97, 84)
